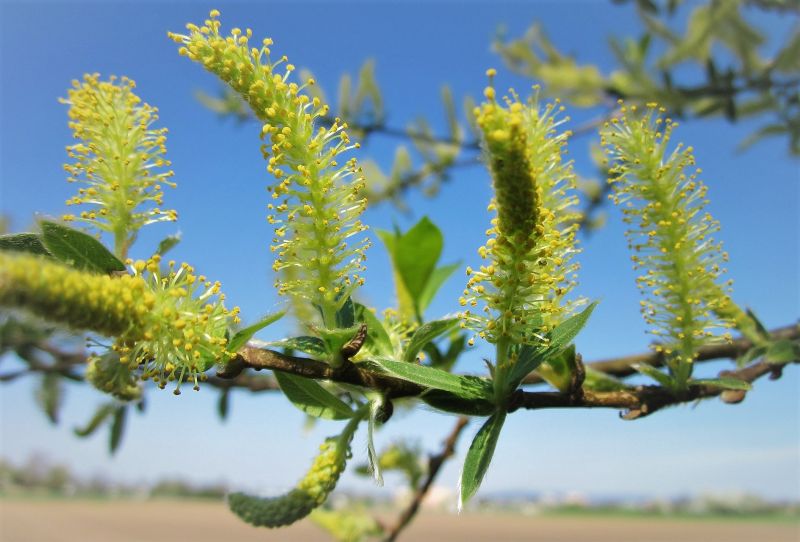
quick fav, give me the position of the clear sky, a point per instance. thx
(221, 200)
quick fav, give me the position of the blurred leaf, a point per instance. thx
(724, 382)
(479, 456)
(101, 414)
(78, 249)
(223, 404)
(661, 377)
(117, 429)
(347, 525)
(783, 351)
(598, 381)
(435, 281)
(346, 315)
(50, 396)
(311, 398)
(243, 335)
(168, 243)
(374, 461)
(23, 242)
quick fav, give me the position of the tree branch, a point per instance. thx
(435, 463)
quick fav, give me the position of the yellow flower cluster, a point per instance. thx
(532, 238)
(670, 233)
(119, 157)
(186, 325)
(164, 330)
(310, 493)
(316, 204)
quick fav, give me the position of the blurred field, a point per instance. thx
(127, 521)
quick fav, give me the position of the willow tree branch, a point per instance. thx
(435, 463)
(623, 366)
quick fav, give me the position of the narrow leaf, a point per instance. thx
(117, 429)
(565, 333)
(448, 402)
(168, 243)
(49, 396)
(23, 242)
(309, 345)
(724, 382)
(464, 386)
(374, 460)
(311, 398)
(243, 335)
(425, 334)
(223, 404)
(377, 337)
(346, 315)
(783, 351)
(438, 277)
(662, 378)
(78, 249)
(479, 456)
(100, 415)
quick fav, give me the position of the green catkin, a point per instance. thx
(310, 493)
(671, 236)
(316, 205)
(169, 327)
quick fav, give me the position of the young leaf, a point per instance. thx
(662, 378)
(312, 398)
(168, 243)
(377, 338)
(724, 382)
(416, 254)
(463, 386)
(223, 404)
(374, 460)
(78, 249)
(50, 396)
(243, 335)
(346, 315)
(599, 381)
(784, 351)
(117, 428)
(23, 242)
(565, 333)
(436, 280)
(100, 415)
(479, 456)
(425, 334)
(310, 345)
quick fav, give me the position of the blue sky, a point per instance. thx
(221, 200)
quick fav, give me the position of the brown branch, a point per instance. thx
(643, 400)
(435, 463)
(623, 366)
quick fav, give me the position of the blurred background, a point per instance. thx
(405, 76)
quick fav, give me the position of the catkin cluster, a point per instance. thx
(119, 157)
(311, 491)
(670, 233)
(169, 327)
(315, 203)
(532, 238)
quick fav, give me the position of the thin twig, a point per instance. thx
(435, 463)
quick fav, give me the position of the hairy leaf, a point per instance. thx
(479, 456)
(243, 335)
(312, 398)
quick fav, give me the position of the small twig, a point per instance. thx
(435, 463)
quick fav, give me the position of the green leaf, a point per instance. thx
(309, 345)
(762, 330)
(599, 381)
(479, 456)
(448, 402)
(754, 353)
(783, 351)
(557, 369)
(436, 280)
(311, 398)
(168, 243)
(23, 242)
(374, 461)
(346, 315)
(464, 386)
(565, 333)
(661, 377)
(416, 254)
(223, 404)
(117, 429)
(724, 382)
(100, 415)
(78, 249)
(334, 340)
(377, 337)
(50, 396)
(425, 334)
(243, 335)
